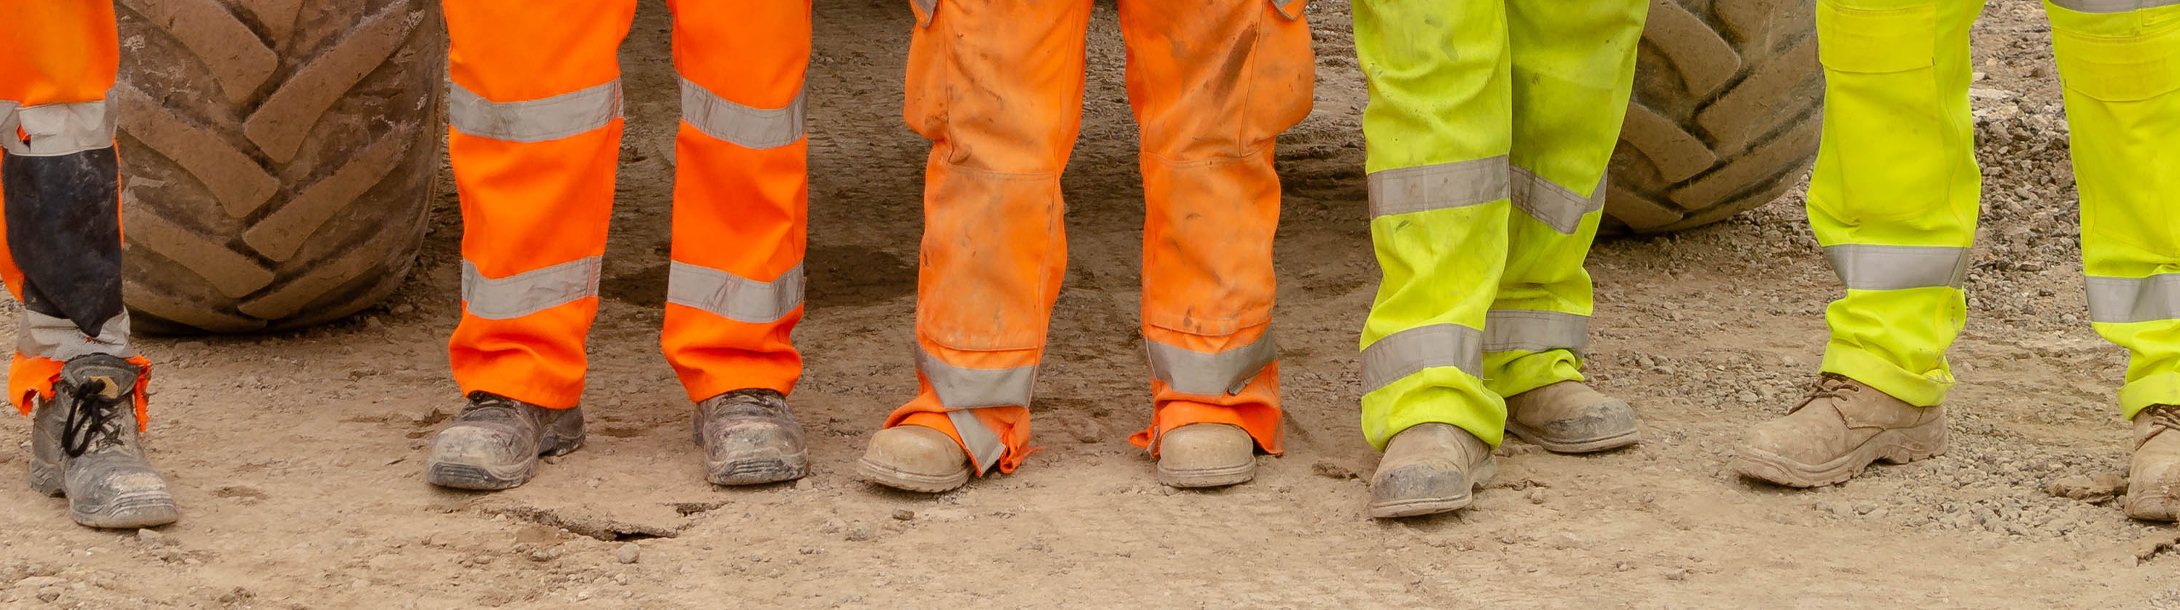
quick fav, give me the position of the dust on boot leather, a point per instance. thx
(85, 446)
(750, 437)
(1570, 417)
(915, 458)
(1430, 468)
(1206, 455)
(496, 441)
(1836, 431)
(2153, 477)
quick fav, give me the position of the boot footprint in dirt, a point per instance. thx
(496, 441)
(750, 437)
(84, 446)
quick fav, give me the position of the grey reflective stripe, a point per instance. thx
(732, 296)
(1873, 267)
(56, 129)
(1529, 330)
(528, 292)
(739, 124)
(1556, 206)
(2122, 300)
(1437, 187)
(42, 336)
(1193, 372)
(1410, 351)
(967, 388)
(983, 446)
(536, 120)
(2111, 6)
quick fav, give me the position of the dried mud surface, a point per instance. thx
(296, 456)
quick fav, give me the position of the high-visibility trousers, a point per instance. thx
(997, 86)
(1894, 196)
(60, 188)
(1489, 127)
(536, 126)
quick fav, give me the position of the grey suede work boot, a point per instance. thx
(915, 458)
(1430, 468)
(2153, 480)
(749, 437)
(1569, 417)
(1836, 432)
(1206, 455)
(495, 442)
(84, 446)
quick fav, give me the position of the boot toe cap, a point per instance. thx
(1206, 455)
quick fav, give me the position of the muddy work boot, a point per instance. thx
(749, 437)
(915, 458)
(1206, 455)
(1836, 432)
(84, 446)
(2153, 481)
(1429, 468)
(495, 442)
(1569, 417)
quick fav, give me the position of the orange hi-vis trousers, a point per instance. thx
(997, 86)
(60, 187)
(536, 122)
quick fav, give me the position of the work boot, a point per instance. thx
(1206, 455)
(1429, 468)
(495, 442)
(1835, 432)
(749, 437)
(84, 446)
(1569, 417)
(915, 458)
(2153, 483)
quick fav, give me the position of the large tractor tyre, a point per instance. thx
(278, 157)
(1724, 116)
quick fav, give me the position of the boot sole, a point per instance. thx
(486, 477)
(1890, 446)
(1431, 506)
(124, 512)
(1586, 446)
(1198, 478)
(898, 479)
(758, 470)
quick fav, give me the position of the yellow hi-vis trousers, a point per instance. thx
(1894, 196)
(1489, 127)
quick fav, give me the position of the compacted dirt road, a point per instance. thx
(296, 456)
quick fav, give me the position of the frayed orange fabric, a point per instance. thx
(1010, 423)
(31, 379)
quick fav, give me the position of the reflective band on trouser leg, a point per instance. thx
(1439, 128)
(535, 119)
(2122, 87)
(1893, 198)
(740, 196)
(996, 85)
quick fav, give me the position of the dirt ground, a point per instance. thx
(296, 457)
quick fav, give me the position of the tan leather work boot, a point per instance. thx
(1569, 417)
(1206, 455)
(2153, 481)
(915, 458)
(1836, 432)
(1429, 468)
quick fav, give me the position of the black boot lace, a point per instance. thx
(93, 418)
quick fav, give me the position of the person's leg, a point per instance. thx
(1212, 85)
(2121, 69)
(1574, 66)
(1893, 201)
(741, 185)
(1439, 127)
(73, 368)
(996, 85)
(535, 118)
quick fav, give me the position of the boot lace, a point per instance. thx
(93, 418)
(486, 405)
(2163, 416)
(1829, 387)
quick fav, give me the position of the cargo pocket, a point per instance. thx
(1876, 41)
(1285, 71)
(1890, 144)
(924, 96)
